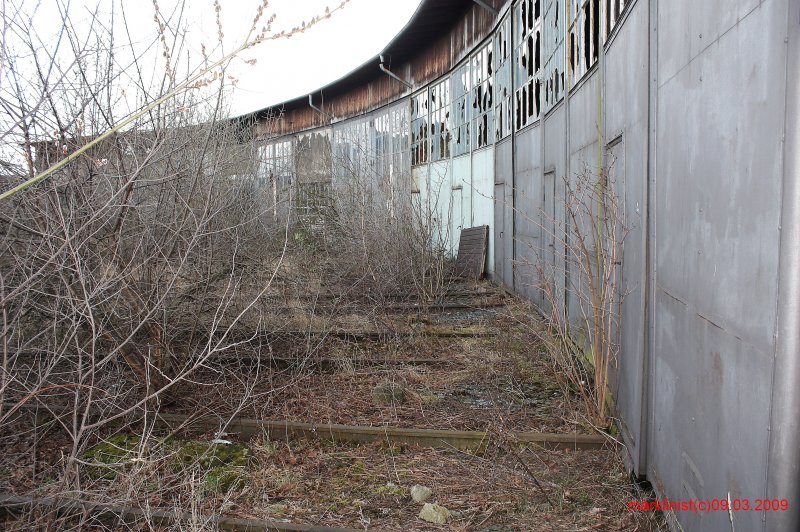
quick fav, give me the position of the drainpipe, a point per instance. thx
(783, 467)
(393, 75)
(317, 109)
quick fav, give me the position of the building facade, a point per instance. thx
(489, 113)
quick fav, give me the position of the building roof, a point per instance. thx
(431, 19)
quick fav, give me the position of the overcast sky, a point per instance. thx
(284, 68)
(288, 68)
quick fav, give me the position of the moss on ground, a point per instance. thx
(108, 457)
(224, 465)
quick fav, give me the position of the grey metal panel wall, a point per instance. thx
(440, 201)
(783, 475)
(718, 186)
(554, 151)
(528, 215)
(482, 194)
(584, 163)
(461, 205)
(503, 213)
(625, 102)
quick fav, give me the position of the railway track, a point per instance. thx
(113, 515)
(476, 441)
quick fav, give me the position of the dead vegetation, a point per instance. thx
(498, 382)
(149, 274)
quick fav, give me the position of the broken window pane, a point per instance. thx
(503, 88)
(614, 10)
(440, 120)
(419, 128)
(461, 116)
(528, 72)
(482, 105)
(553, 53)
(584, 37)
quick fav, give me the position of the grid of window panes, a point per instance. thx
(553, 39)
(398, 117)
(521, 73)
(462, 81)
(584, 37)
(419, 128)
(614, 10)
(275, 164)
(528, 23)
(482, 96)
(502, 74)
(263, 171)
(352, 149)
(440, 120)
(382, 143)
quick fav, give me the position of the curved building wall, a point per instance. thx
(683, 106)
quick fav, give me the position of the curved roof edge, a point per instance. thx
(429, 20)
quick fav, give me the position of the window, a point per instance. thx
(419, 128)
(440, 120)
(263, 171)
(614, 10)
(275, 169)
(527, 39)
(481, 98)
(503, 89)
(353, 149)
(553, 53)
(462, 81)
(382, 144)
(399, 122)
(275, 164)
(584, 37)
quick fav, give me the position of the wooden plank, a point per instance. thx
(471, 260)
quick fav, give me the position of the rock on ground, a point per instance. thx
(433, 513)
(420, 493)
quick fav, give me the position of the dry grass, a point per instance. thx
(499, 381)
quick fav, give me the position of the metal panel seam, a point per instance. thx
(783, 461)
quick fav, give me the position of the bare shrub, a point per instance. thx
(584, 314)
(377, 247)
(136, 250)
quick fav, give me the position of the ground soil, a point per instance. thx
(467, 369)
